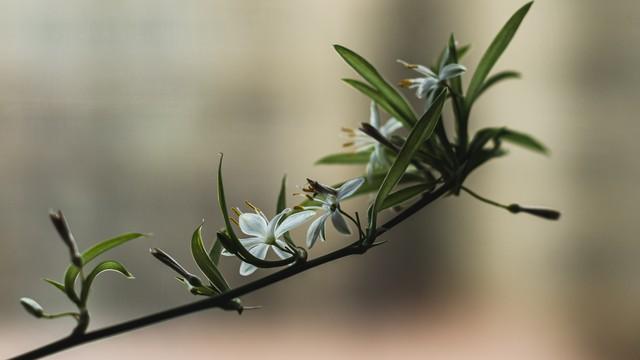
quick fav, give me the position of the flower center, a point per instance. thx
(270, 240)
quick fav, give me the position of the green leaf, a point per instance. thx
(282, 196)
(379, 99)
(215, 252)
(463, 50)
(421, 132)
(524, 140)
(497, 77)
(72, 271)
(369, 73)
(350, 158)
(400, 196)
(108, 265)
(511, 136)
(55, 284)
(282, 204)
(491, 55)
(482, 137)
(222, 203)
(205, 263)
(229, 239)
(457, 102)
(198, 290)
(32, 307)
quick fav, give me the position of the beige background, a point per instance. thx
(114, 112)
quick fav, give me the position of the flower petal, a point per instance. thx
(374, 117)
(314, 230)
(281, 254)
(273, 224)
(425, 87)
(253, 224)
(391, 126)
(259, 251)
(247, 269)
(293, 221)
(451, 71)
(340, 223)
(248, 243)
(348, 188)
(226, 253)
(419, 68)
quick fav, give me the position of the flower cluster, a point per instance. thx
(264, 234)
(379, 160)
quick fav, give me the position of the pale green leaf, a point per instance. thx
(108, 265)
(205, 263)
(72, 271)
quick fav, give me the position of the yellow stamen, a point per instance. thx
(237, 211)
(347, 144)
(405, 83)
(234, 221)
(253, 207)
(347, 130)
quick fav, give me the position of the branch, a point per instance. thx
(355, 248)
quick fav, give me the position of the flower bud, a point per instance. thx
(173, 264)
(32, 307)
(318, 188)
(544, 213)
(60, 223)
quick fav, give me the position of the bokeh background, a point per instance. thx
(114, 111)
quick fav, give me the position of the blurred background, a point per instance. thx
(114, 111)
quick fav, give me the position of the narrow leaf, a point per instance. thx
(108, 265)
(282, 195)
(497, 77)
(379, 99)
(492, 54)
(198, 290)
(350, 158)
(55, 284)
(205, 263)
(229, 239)
(406, 194)
(72, 271)
(369, 73)
(514, 137)
(421, 132)
(524, 140)
(215, 252)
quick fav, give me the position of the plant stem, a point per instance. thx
(355, 248)
(75, 340)
(484, 199)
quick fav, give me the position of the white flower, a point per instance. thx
(430, 82)
(363, 142)
(265, 234)
(330, 207)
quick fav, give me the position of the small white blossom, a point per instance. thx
(431, 81)
(330, 208)
(363, 142)
(267, 234)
